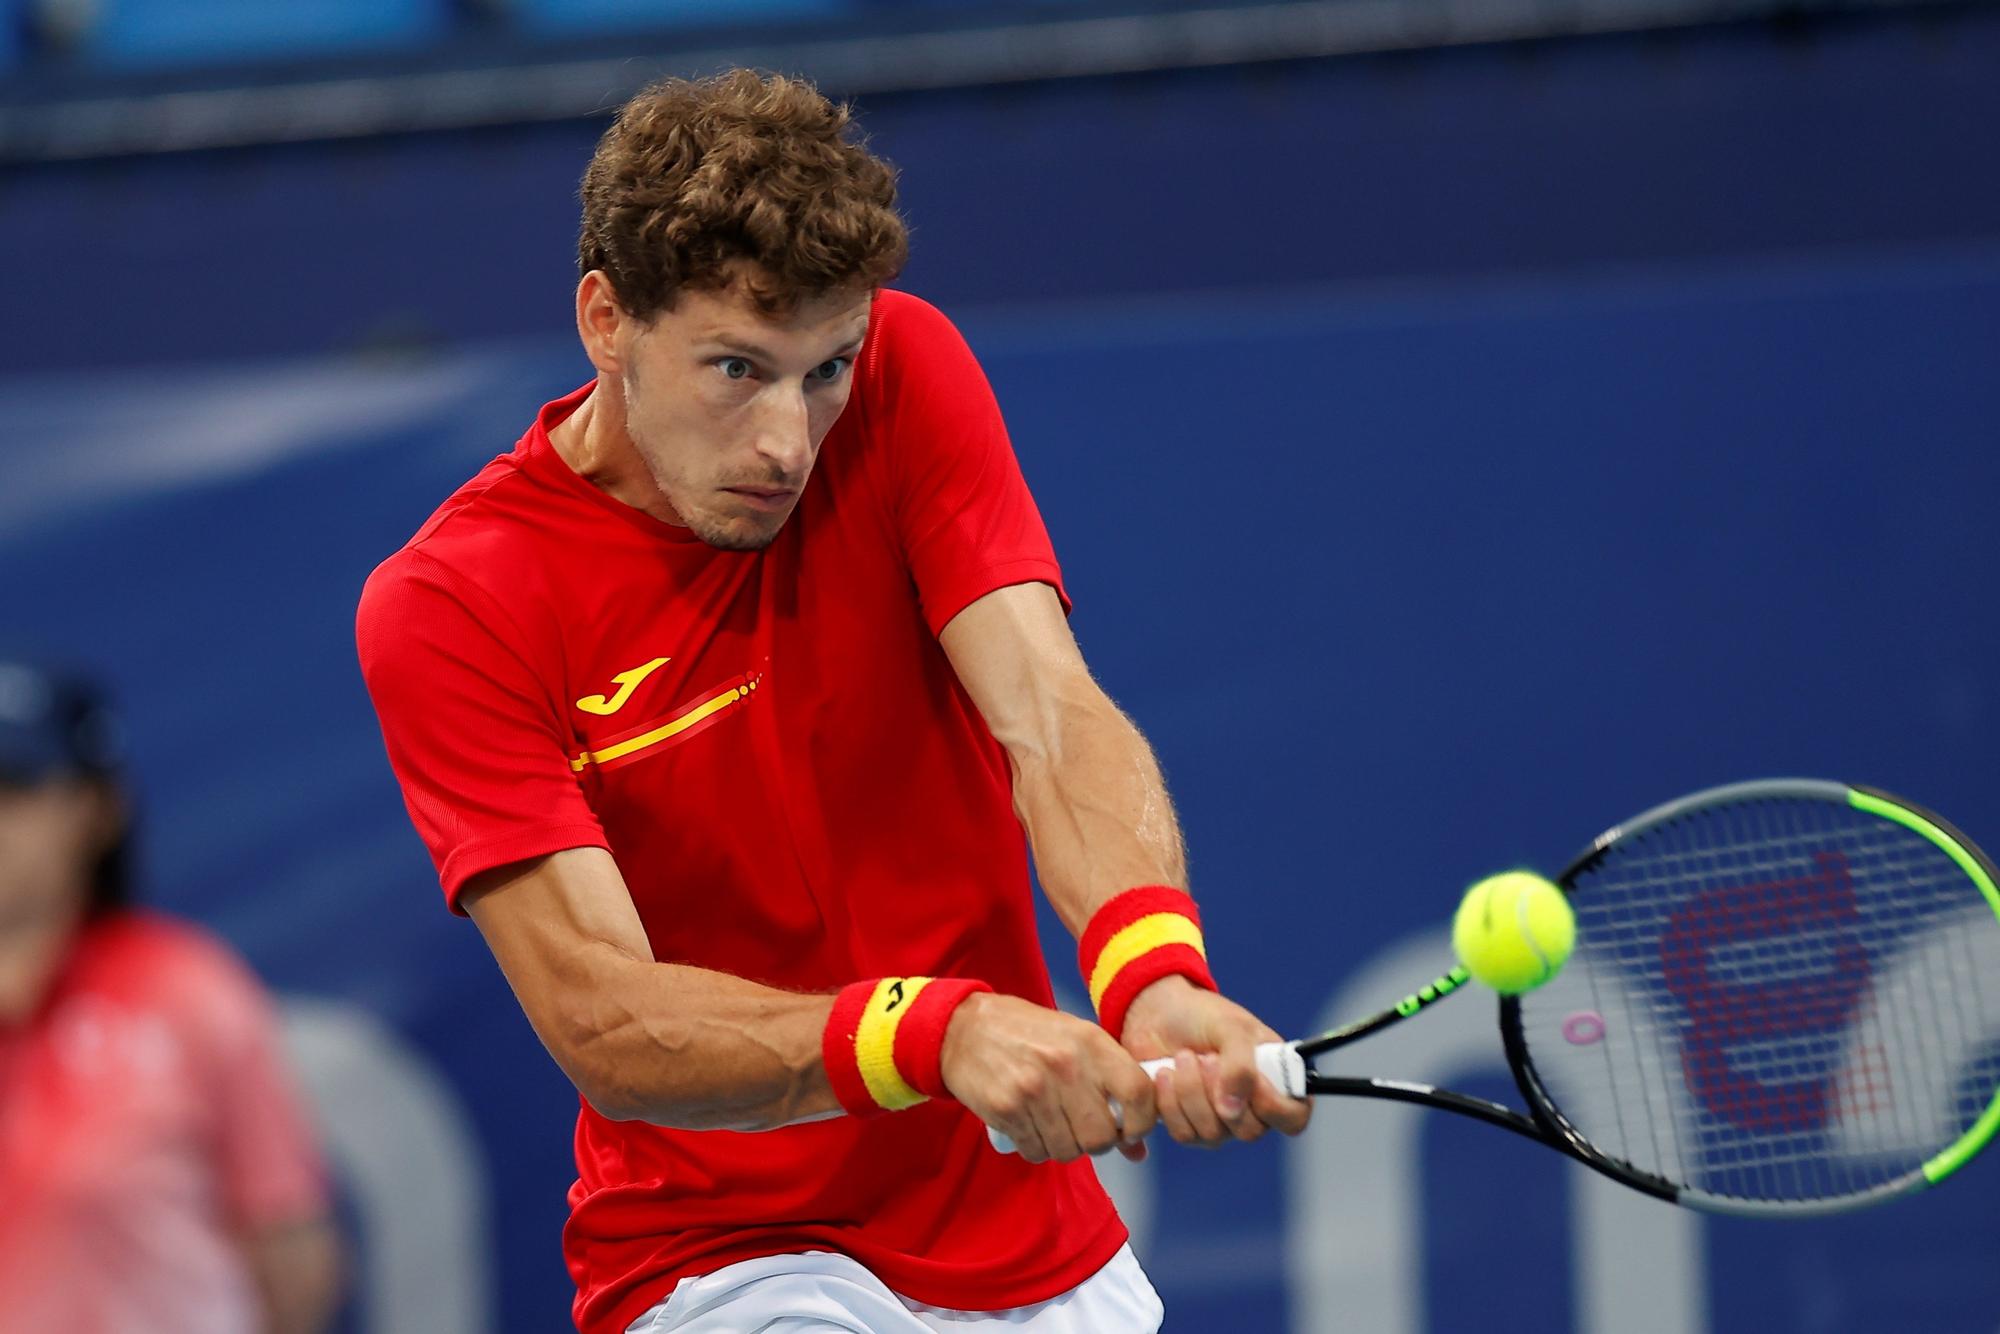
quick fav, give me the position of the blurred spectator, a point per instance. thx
(156, 1169)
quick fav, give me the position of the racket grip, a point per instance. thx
(1278, 1062)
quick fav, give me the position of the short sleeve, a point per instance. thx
(962, 509)
(470, 730)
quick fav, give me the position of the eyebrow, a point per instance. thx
(756, 352)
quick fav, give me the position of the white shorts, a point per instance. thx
(817, 1292)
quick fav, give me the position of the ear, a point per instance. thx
(108, 815)
(601, 322)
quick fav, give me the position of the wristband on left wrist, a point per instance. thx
(1133, 941)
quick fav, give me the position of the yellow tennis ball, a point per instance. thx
(1513, 931)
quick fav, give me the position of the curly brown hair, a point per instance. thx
(696, 175)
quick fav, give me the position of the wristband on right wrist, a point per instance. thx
(1133, 941)
(884, 1041)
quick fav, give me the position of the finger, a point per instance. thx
(1191, 1086)
(1058, 1144)
(1285, 1115)
(1087, 1112)
(1052, 1120)
(1027, 1139)
(1233, 1110)
(1234, 1067)
(1274, 1107)
(1134, 1152)
(1127, 1082)
(1167, 1099)
(1278, 1110)
(1017, 1111)
(1024, 1117)
(1074, 1080)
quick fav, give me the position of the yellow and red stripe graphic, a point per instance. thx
(875, 1042)
(690, 718)
(884, 1042)
(1151, 932)
(1133, 941)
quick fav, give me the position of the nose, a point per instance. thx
(786, 436)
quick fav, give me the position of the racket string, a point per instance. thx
(1791, 1001)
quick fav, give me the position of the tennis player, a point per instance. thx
(156, 1170)
(721, 703)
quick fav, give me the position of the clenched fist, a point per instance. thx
(1046, 1079)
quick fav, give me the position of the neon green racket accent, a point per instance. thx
(1971, 1142)
(1889, 810)
(1988, 1124)
(1440, 986)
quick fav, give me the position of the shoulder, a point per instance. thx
(907, 313)
(907, 329)
(504, 527)
(492, 523)
(142, 939)
(481, 558)
(428, 617)
(917, 376)
(151, 957)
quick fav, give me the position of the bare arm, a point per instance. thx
(700, 1050)
(1090, 794)
(1086, 786)
(667, 1043)
(297, 1268)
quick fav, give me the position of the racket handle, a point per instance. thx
(1278, 1062)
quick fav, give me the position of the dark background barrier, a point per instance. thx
(1451, 453)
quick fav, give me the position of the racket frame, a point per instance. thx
(1941, 833)
(1544, 1121)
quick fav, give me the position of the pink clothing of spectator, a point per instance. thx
(148, 1131)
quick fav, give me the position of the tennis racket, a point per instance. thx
(1784, 1000)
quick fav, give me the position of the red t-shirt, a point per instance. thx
(147, 1126)
(795, 786)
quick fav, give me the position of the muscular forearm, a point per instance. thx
(667, 1043)
(1091, 797)
(1086, 786)
(1088, 790)
(699, 1050)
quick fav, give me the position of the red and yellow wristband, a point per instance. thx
(1133, 941)
(885, 1038)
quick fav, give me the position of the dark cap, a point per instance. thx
(54, 725)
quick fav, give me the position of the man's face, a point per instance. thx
(727, 406)
(49, 835)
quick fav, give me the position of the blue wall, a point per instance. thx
(1688, 144)
(1450, 456)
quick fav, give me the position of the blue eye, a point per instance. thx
(736, 368)
(830, 370)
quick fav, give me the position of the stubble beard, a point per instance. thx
(726, 539)
(722, 534)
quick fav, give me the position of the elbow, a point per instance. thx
(586, 1041)
(612, 1110)
(605, 1084)
(609, 1099)
(606, 1060)
(617, 1099)
(604, 1081)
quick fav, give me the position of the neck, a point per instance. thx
(31, 953)
(596, 445)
